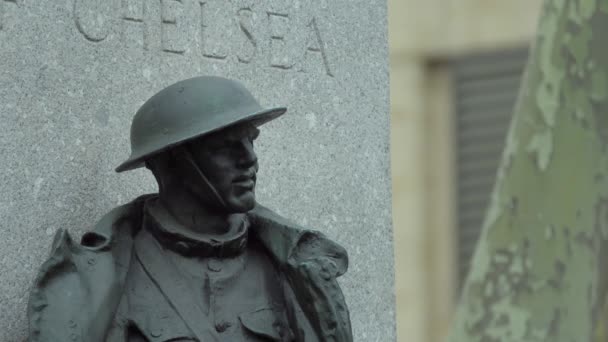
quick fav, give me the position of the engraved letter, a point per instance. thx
(170, 21)
(88, 27)
(319, 47)
(281, 63)
(210, 54)
(129, 17)
(246, 29)
(2, 9)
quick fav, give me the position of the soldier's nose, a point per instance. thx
(248, 157)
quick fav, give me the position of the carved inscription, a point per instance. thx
(216, 30)
(278, 25)
(316, 45)
(170, 11)
(206, 50)
(4, 4)
(134, 28)
(213, 29)
(245, 15)
(91, 20)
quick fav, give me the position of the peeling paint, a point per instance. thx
(599, 85)
(587, 8)
(541, 145)
(541, 278)
(578, 47)
(547, 95)
(577, 101)
(549, 233)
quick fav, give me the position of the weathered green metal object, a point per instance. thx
(189, 109)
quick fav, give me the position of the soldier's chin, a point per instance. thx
(242, 202)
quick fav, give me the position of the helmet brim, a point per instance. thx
(257, 119)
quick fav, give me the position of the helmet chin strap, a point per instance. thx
(188, 157)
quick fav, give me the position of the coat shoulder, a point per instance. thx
(74, 292)
(311, 262)
(292, 243)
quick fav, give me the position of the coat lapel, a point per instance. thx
(311, 263)
(165, 275)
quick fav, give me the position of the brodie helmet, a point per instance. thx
(190, 109)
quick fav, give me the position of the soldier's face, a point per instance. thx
(229, 162)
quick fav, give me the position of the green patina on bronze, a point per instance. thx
(201, 260)
(189, 109)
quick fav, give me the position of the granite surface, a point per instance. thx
(73, 73)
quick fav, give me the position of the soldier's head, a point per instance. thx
(219, 168)
(198, 135)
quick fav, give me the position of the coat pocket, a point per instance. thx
(267, 324)
(156, 333)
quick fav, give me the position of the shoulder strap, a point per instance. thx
(171, 284)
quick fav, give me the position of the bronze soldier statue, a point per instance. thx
(201, 260)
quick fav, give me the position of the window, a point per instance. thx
(485, 91)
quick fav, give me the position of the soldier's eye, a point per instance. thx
(233, 144)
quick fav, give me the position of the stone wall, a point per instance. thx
(73, 73)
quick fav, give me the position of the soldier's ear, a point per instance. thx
(183, 162)
(178, 157)
(178, 152)
(160, 163)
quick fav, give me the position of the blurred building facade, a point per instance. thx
(455, 71)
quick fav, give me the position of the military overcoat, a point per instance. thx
(77, 291)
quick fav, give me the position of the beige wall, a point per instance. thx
(423, 33)
(447, 27)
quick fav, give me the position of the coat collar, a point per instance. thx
(290, 244)
(286, 242)
(172, 235)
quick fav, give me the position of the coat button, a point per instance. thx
(214, 265)
(221, 327)
(279, 328)
(156, 332)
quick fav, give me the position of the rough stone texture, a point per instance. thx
(73, 72)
